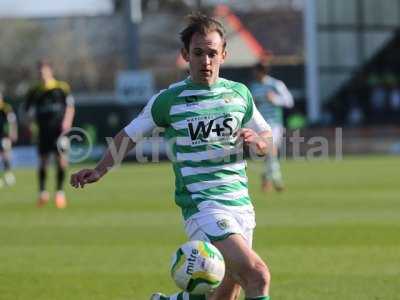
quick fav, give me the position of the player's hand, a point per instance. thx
(252, 139)
(271, 97)
(83, 177)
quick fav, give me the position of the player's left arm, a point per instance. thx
(255, 132)
(285, 96)
(28, 108)
(69, 111)
(282, 96)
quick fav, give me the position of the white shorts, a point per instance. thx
(217, 222)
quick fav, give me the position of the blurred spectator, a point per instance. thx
(271, 96)
(8, 135)
(377, 98)
(394, 101)
(355, 115)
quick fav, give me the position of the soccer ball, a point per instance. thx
(197, 267)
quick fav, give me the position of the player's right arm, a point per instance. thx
(116, 152)
(123, 142)
(28, 107)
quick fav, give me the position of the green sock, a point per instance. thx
(179, 296)
(259, 298)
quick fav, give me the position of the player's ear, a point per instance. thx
(185, 54)
(224, 54)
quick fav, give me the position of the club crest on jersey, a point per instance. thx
(212, 128)
(227, 99)
(191, 100)
(223, 224)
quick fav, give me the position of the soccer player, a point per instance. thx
(207, 120)
(8, 135)
(52, 104)
(271, 96)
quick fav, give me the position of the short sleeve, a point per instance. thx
(257, 122)
(160, 109)
(249, 106)
(70, 100)
(144, 123)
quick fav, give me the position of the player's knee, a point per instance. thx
(258, 276)
(62, 165)
(261, 275)
(62, 162)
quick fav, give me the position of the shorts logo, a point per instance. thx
(223, 224)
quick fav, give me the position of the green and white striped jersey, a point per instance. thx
(272, 112)
(201, 125)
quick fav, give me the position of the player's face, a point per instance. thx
(205, 56)
(259, 75)
(46, 72)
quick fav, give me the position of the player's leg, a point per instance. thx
(177, 296)
(61, 149)
(229, 289)
(62, 164)
(208, 227)
(248, 269)
(5, 154)
(243, 266)
(201, 229)
(42, 178)
(45, 149)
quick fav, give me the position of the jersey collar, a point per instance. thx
(217, 83)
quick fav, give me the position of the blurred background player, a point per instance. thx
(271, 96)
(8, 135)
(52, 104)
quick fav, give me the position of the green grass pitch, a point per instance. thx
(334, 234)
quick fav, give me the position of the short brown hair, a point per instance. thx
(203, 24)
(262, 67)
(44, 62)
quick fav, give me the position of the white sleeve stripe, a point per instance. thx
(285, 97)
(144, 123)
(257, 122)
(70, 100)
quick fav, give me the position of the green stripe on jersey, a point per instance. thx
(213, 176)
